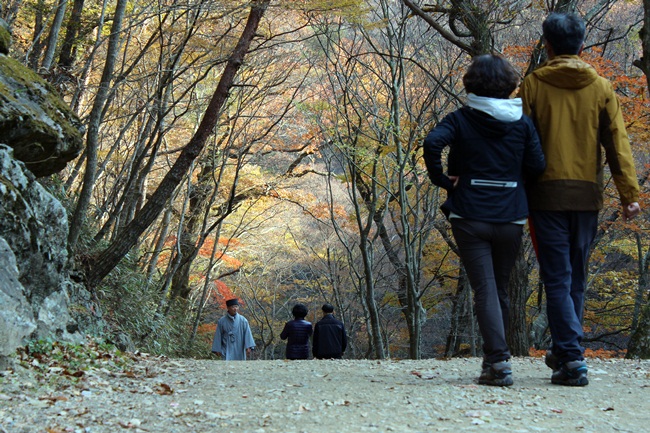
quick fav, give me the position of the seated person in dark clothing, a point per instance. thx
(330, 339)
(297, 331)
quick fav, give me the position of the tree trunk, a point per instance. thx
(644, 62)
(37, 41)
(94, 122)
(158, 246)
(53, 37)
(66, 57)
(200, 197)
(110, 257)
(517, 329)
(639, 346)
(459, 316)
(364, 225)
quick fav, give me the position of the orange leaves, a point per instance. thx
(224, 293)
(604, 354)
(631, 89)
(206, 331)
(519, 55)
(208, 245)
(230, 261)
(589, 353)
(322, 211)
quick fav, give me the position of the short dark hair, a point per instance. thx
(491, 76)
(328, 308)
(299, 311)
(565, 33)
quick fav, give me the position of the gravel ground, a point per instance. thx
(179, 395)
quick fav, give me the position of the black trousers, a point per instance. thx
(488, 252)
(563, 243)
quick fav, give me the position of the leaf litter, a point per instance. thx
(109, 391)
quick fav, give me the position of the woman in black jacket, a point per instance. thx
(493, 150)
(297, 331)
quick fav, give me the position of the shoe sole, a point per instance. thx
(576, 377)
(580, 381)
(506, 381)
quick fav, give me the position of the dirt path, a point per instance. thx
(167, 396)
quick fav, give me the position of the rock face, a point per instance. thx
(44, 133)
(38, 297)
(5, 36)
(35, 225)
(16, 316)
(34, 280)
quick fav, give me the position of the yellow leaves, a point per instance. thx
(343, 8)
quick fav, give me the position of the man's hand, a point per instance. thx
(630, 211)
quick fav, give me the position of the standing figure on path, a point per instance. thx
(297, 331)
(330, 339)
(493, 150)
(233, 340)
(576, 112)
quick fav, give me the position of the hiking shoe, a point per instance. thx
(552, 361)
(572, 373)
(496, 374)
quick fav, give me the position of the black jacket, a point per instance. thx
(492, 158)
(330, 339)
(297, 332)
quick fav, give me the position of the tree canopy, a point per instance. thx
(270, 150)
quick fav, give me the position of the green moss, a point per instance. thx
(16, 79)
(5, 40)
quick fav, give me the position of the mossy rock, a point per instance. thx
(35, 121)
(5, 37)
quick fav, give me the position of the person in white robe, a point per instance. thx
(233, 340)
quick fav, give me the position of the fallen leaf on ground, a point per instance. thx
(164, 389)
(54, 398)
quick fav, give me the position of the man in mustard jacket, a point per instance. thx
(577, 114)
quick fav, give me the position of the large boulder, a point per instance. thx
(39, 295)
(16, 316)
(35, 225)
(34, 230)
(41, 128)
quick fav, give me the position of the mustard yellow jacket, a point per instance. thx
(577, 116)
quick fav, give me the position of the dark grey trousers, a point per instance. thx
(563, 243)
(488, 252)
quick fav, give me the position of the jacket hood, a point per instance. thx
(566, 72)
(493, 117)
(506, 110)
